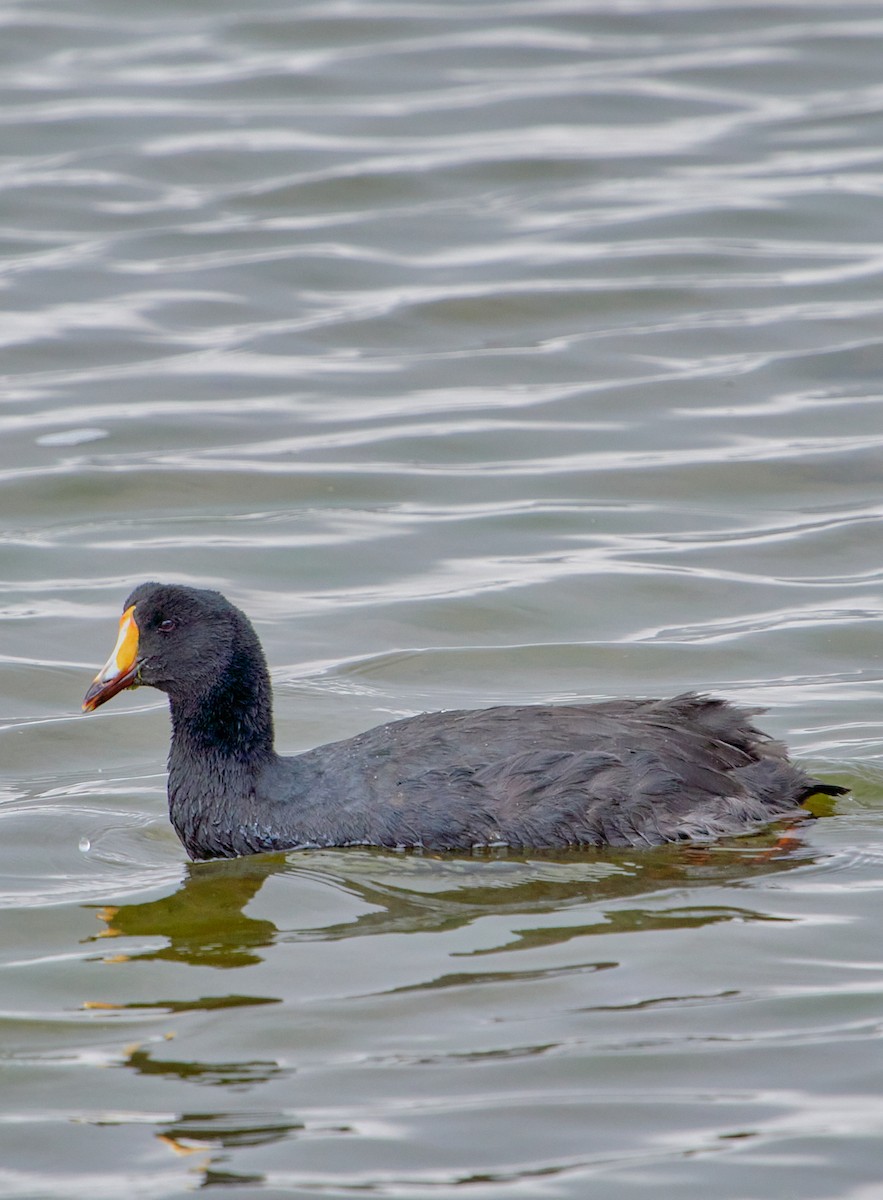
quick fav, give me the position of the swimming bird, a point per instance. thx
(539, 777)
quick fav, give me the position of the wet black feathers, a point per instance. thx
(624, 772)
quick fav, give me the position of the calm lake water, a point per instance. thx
(482, 351)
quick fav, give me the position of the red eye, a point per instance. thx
(167, 626)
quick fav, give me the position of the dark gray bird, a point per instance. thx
(619, 773)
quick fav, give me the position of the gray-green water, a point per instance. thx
(488, 350)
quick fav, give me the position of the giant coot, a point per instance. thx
(619, 773)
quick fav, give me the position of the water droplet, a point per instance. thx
(85, 844)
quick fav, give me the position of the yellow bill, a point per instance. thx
(121, 669)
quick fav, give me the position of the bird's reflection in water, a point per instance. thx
(205, 923)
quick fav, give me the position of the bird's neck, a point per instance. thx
(231, 718)
(221, 742)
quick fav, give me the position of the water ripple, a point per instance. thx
(492, 352)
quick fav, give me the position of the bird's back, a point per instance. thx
(622, 772)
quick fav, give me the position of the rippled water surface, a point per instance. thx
(485, 351)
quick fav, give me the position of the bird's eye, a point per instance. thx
(167, 626)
